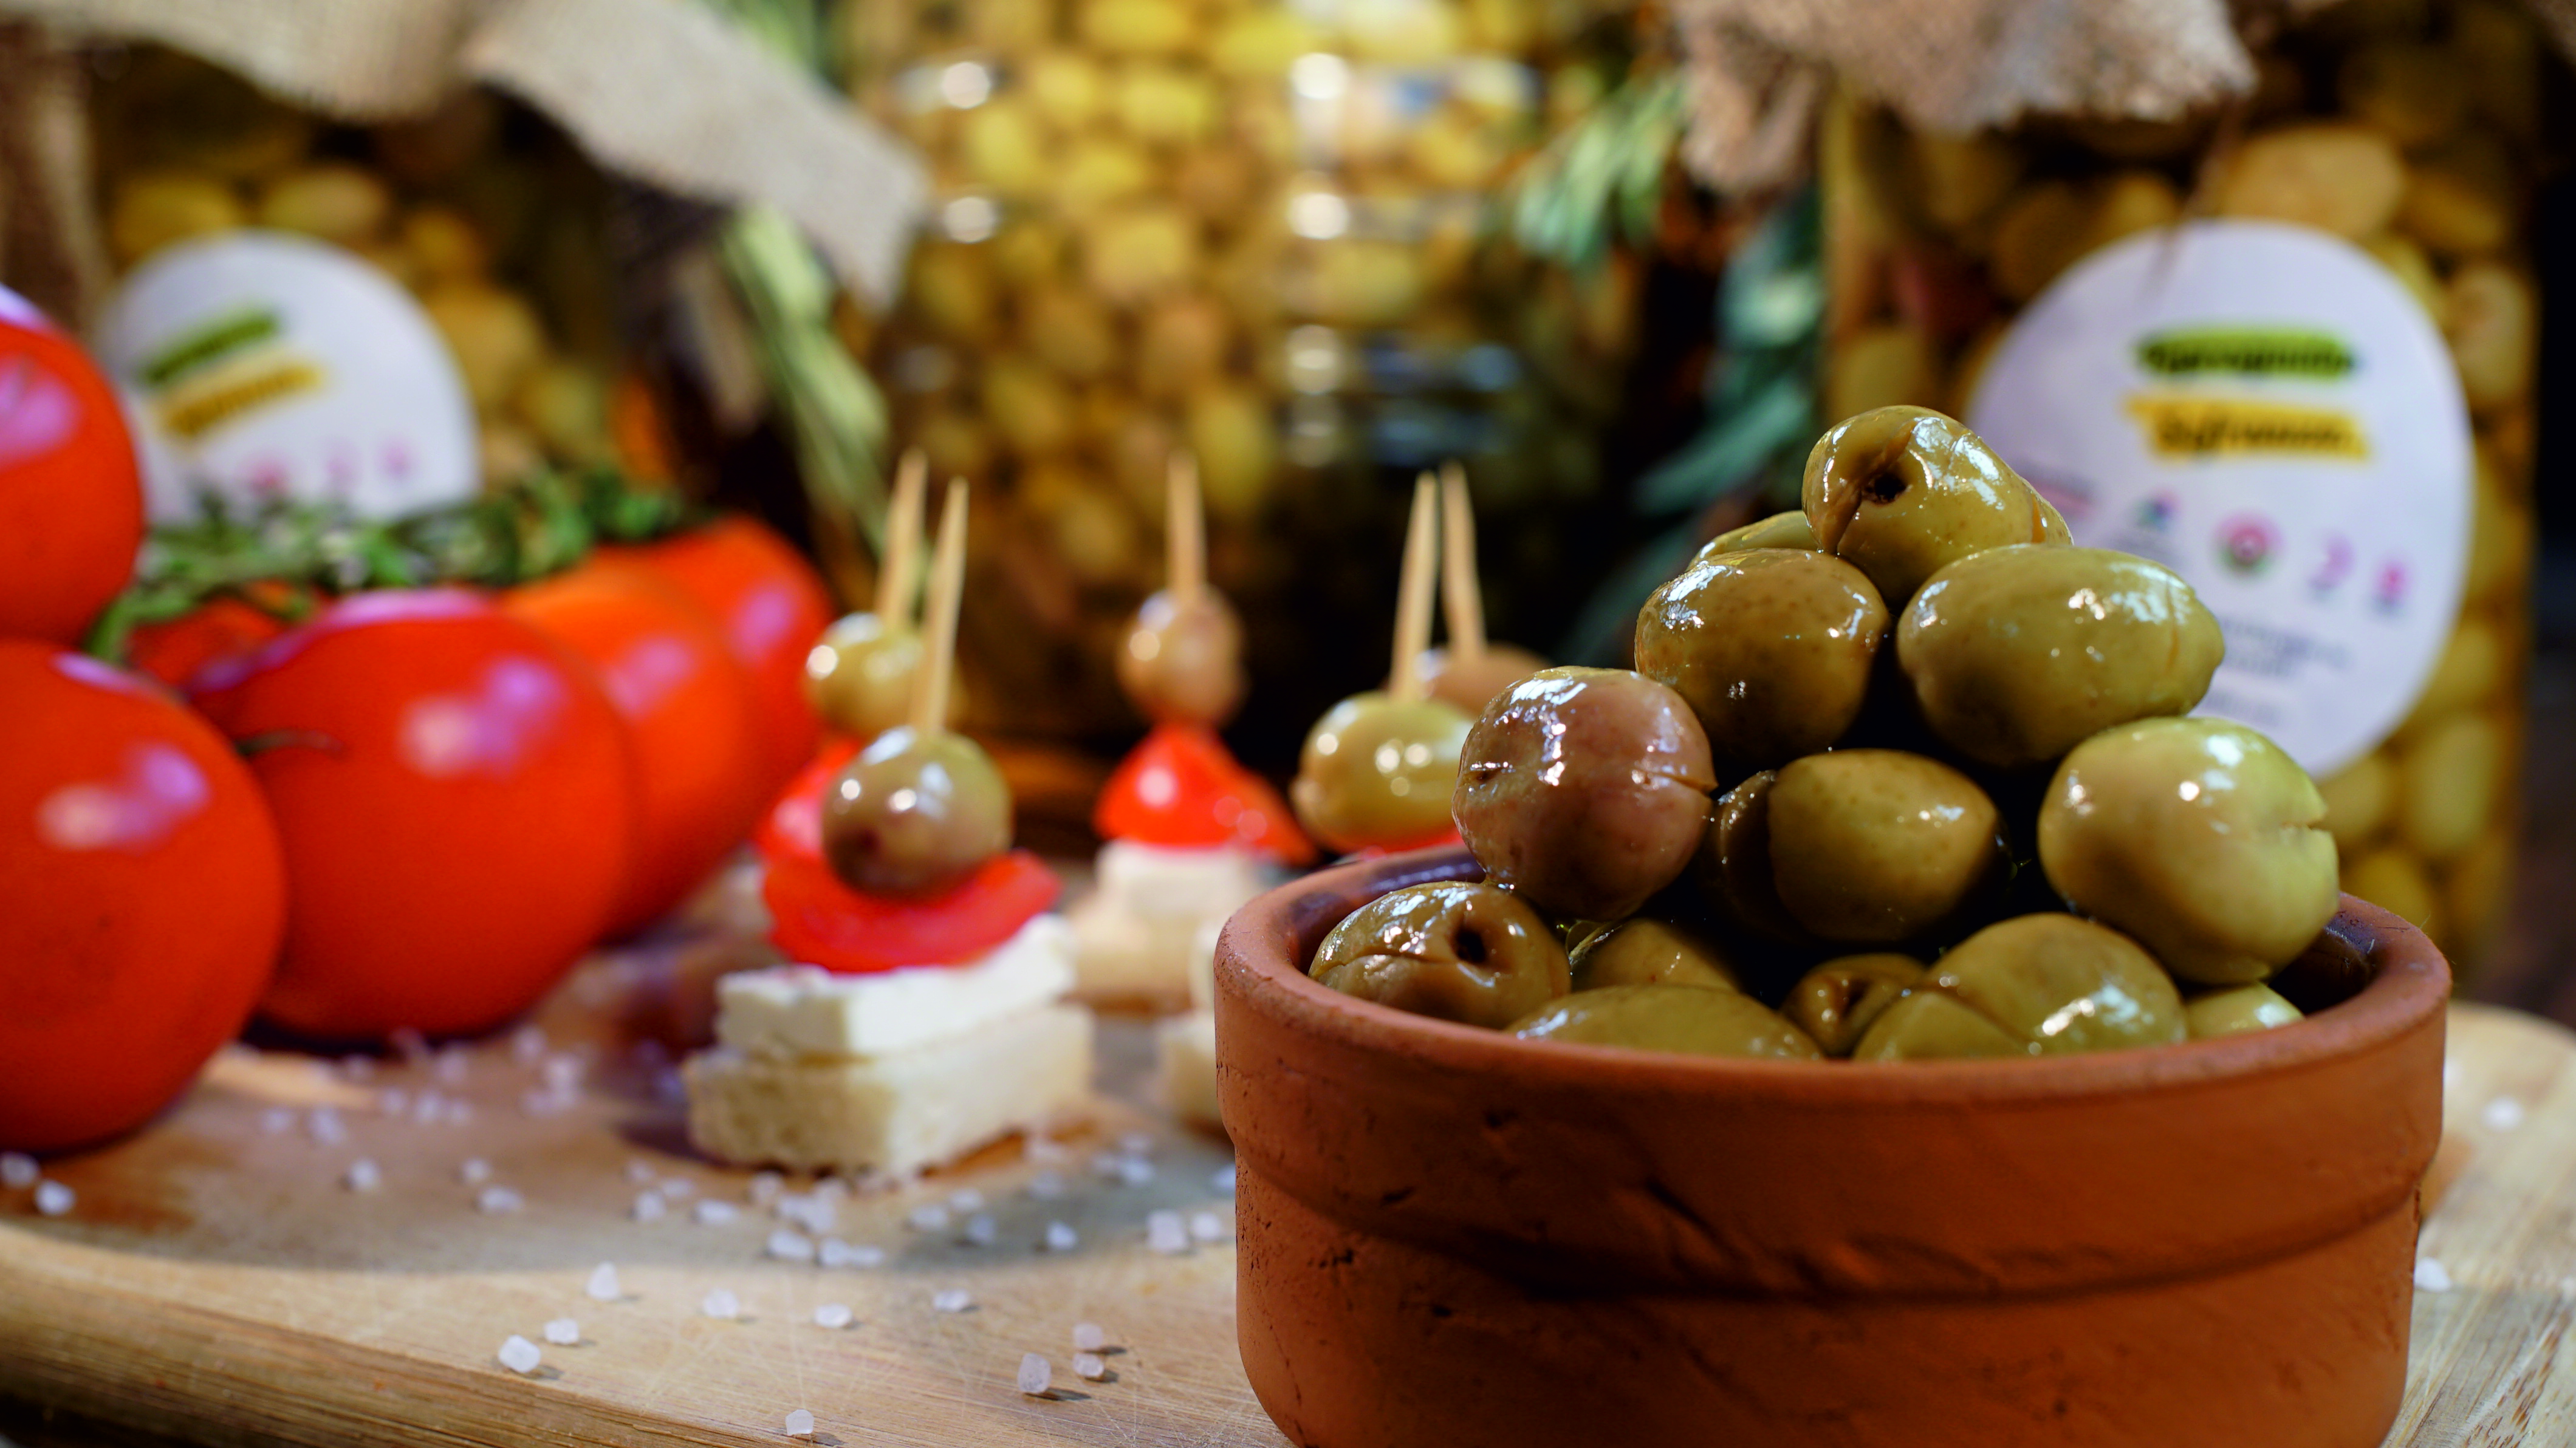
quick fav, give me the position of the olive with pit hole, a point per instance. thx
(2235, 1010)
(2198, 836)
(1455, 949)
(1585, 790)
(915, 814)
(1837, 1002)
(1379, 771)
(1772, 647)
(1182, 660)
(1876, 846)
(1900, 492)
(2034, 985)
(2016, 655)
(1642, 950)
(1691, 1020)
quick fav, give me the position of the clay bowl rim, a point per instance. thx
(2411, 981)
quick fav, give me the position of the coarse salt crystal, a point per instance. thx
(362, 1176)
(981, 1229)
(1222, 1180)
(648, 1207)
(954, 1299)
(800, 1424)
(1034, 1374)
(676, 1187)
(1166, 1233)
(1207, 1227)
(1060, 1237)
(832, 1315)
(966, 1199)
(720, 1303)
(1137, 1143)
(1089, 1367)
(603, 1285)
(474, 1171)
(449, 1068)
(2431, 1275)
(764, 1188)
(2502, 1114)
(713, 1213)
(17, 1170)
(831, 1189)
(1047, 1186)
(276, 1120)
(812, 1211)
(563, 1332)
(53, 1198)
(427, 1108)
(324, 1125)
(518, 1354)
(560, 1073)
(640, 1173)
(1089, 1337)
(1135, 1171)
(527, 1045)
(929, 1217)
(833, 1252)
(498, 1199)
(790, 1246)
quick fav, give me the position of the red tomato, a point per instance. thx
(794, 821)
(822, 921)
(455, 793)
(223, 628)
(71, 500)
(145, 897)
(689, 715)
(1181, 787)
(772, 608)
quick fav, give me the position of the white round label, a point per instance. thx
(258, 365)
(2265, 410)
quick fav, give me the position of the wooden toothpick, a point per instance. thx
(947, 588)
(899, 562)
(1413, 594)
(1184, 529)
(1459, 589)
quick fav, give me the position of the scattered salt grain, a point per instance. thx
(2431, 1275)
(362, 1176)
(713, 1213)
(648, 1207)
(562, 1074)
(764, 1188)
(1107, 1165)
(603, 1285)
(1135, 1171)
(1207, 1227)
(1089, 1367)
(720, 1303)
(1060, 1237)
(2502, 1114)
(427, 1107)
(966, 1200)
(450, 1066)
(53, 1198)
(527, 1045)
(1045, 1152)
(639, 1173)
(1222, 1181)
(17, 1170)
(1137, 1143)
(498, 1199)
(800, 1424)
(393, 1101)
(518, 1354)
(831, 1189)
(1166, 1233)
(981, 1229)
(929, 1217)
(790, 1246)
(811, 1210)
(563, 1332)
(1047, 1186)
(323, 1124)
(1035, 1375)
(835, 1315)
(1089, 1337)
(277, 1120)
(833, 1252)
(954, 1299)
(474, 1171)
(677, 1187)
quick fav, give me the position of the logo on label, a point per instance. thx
(2247, 542)
(2246, 351)
(2201, 427)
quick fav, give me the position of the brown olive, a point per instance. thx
(2197, 836)
(2235, 1009)
(2034, 985)
(1471, 684)
(1899, 492)
(1780, 530)
(1455, 949)
(859, 675)
(1837, 1002)
(915, 814)
(1376, 771)
(1732, 867)
(1694, 1020)
(1585, 790)
(2016, 655)
(1642, 950)
(1773, 648)
(1876, 846)
(1182, 663)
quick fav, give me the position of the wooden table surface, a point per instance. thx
(216, 1280)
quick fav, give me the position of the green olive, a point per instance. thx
(1875, 846)
(1376, 771)
(2016, 655)
(1471, 684)
(2234, 1009)
(1455, 949)
(1732, 867)
(1642, 950)
(859, 675)
(1182, 663)
(2034, 985)
(1585, 790)
(2197, 836)
(1900, 492)
(1837, 1002)
(1692, 1020)
(1780, 530)
(915, 814)
(1773, 648)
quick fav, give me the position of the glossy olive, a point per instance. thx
(2016, 655)
(1732, 867)
(2235, 1009)
(915, 814)
(2197, 836)
(1455, 949)
(1585, 790)
(1694, 1020)
(1875, 846)
(1837, 1002)
(1773, 648)
(1780, 530)
(859, 674)
(1899, 492)
(1378, 772)
(1182, 663)
(1642, 950)
(2034, 985)
(1471, 684)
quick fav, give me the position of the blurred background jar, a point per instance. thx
(1268, 233)
(2417, 131)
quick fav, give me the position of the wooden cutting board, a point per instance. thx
(216, 1279)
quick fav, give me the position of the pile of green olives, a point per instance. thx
(1903, 775)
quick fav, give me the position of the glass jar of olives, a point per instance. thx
(1262, 231)
(2413, 136)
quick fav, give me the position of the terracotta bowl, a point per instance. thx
(1450, 1236)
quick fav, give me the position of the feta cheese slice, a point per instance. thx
(790, 1012)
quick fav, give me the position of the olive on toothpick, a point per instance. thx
(921, 809)
(860, 673)
(1182, 660)
(1469, 670)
